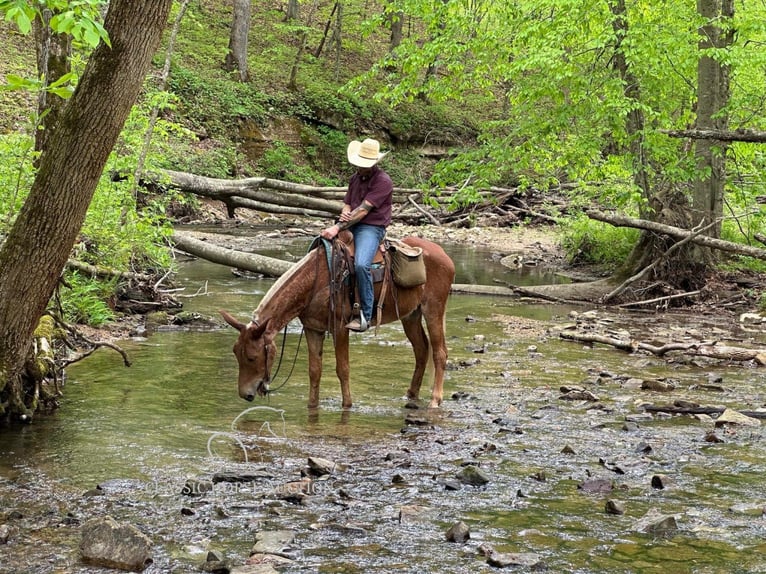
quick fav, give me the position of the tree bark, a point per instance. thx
(293, 10)
(236, 56)
(678, 233)
(741, 135)
(239, 259)
(634, 120)
(37, 247)
(53, 51)
(712, 98)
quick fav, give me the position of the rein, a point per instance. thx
(281, 355)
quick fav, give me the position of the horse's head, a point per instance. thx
(255, 351)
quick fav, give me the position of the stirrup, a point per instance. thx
(359, 325)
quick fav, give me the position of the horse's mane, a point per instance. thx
(280, 282)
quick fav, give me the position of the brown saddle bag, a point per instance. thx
(408, 268)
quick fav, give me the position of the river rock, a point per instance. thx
(414, 513)
(507, 559)
(458, 532)
(658, 385)
(473, 476)
(596, 485)
(613, 506)
(321, 466)
(197, 487)
(111, 544)
(658, 524)
(254, 569)
(274, 542)
(660, 481)
(5, 533)
(732, 417)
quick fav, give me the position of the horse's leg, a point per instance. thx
(341, 365)
(315, 342)
(435, 322)
(413, 328)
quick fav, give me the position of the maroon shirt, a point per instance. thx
(377, 189)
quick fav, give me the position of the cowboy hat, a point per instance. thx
(364, 154)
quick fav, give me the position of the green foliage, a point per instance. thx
(81, 19)
(215, 104)
(594, 242)
(16, 175)
(85, 300)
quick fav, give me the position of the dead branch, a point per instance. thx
(96, 271)
(423, 211)
(239, 259)
(655, 263)
(751, 136)
(660, 299)
(672, 409)
(677, 232)
(710, 349)
(92, 345)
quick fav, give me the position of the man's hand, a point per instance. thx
(330, 232)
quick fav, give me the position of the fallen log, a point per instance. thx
(677, 232)
(672, 409)
(239, 259)
(710, 349)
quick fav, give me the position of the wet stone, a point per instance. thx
(579, 396)
(658, 385)
(660, 481)
(473, 476)
(5, 533)
(196, 487)
(710, 436)
(629, 426)
(658, 524)
(321, 466)
(112, 544)
(413, 513)
(458, 532)
(568, 450)
(732, 417)
(508, 559)
(273, 542)
(613, 506)
(639, 418)
(596, 485)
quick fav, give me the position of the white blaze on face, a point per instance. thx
(284, 278)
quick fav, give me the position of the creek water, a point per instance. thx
(142, 433)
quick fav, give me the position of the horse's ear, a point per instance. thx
(239, 326)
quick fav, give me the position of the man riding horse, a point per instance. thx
(366, 213)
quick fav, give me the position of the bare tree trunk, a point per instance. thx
(396, 21)
(236, 56)
(293, 10)
(37, 247)
(712, 97)
(53, 52)
(634, 122)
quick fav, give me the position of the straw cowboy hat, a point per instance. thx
(364, 154)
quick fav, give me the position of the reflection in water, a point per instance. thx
(142, 432)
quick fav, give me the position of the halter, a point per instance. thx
(267, 378)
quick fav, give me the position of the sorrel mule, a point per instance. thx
(304, 292)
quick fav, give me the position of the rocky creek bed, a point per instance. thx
(543, 457)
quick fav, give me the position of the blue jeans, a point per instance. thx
(367, 238)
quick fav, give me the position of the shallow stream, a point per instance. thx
(142, 433)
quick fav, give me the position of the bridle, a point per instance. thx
(267, 377)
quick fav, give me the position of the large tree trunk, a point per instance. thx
(37, 247)
(53, 51)
(712, 97)
(236, 57)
